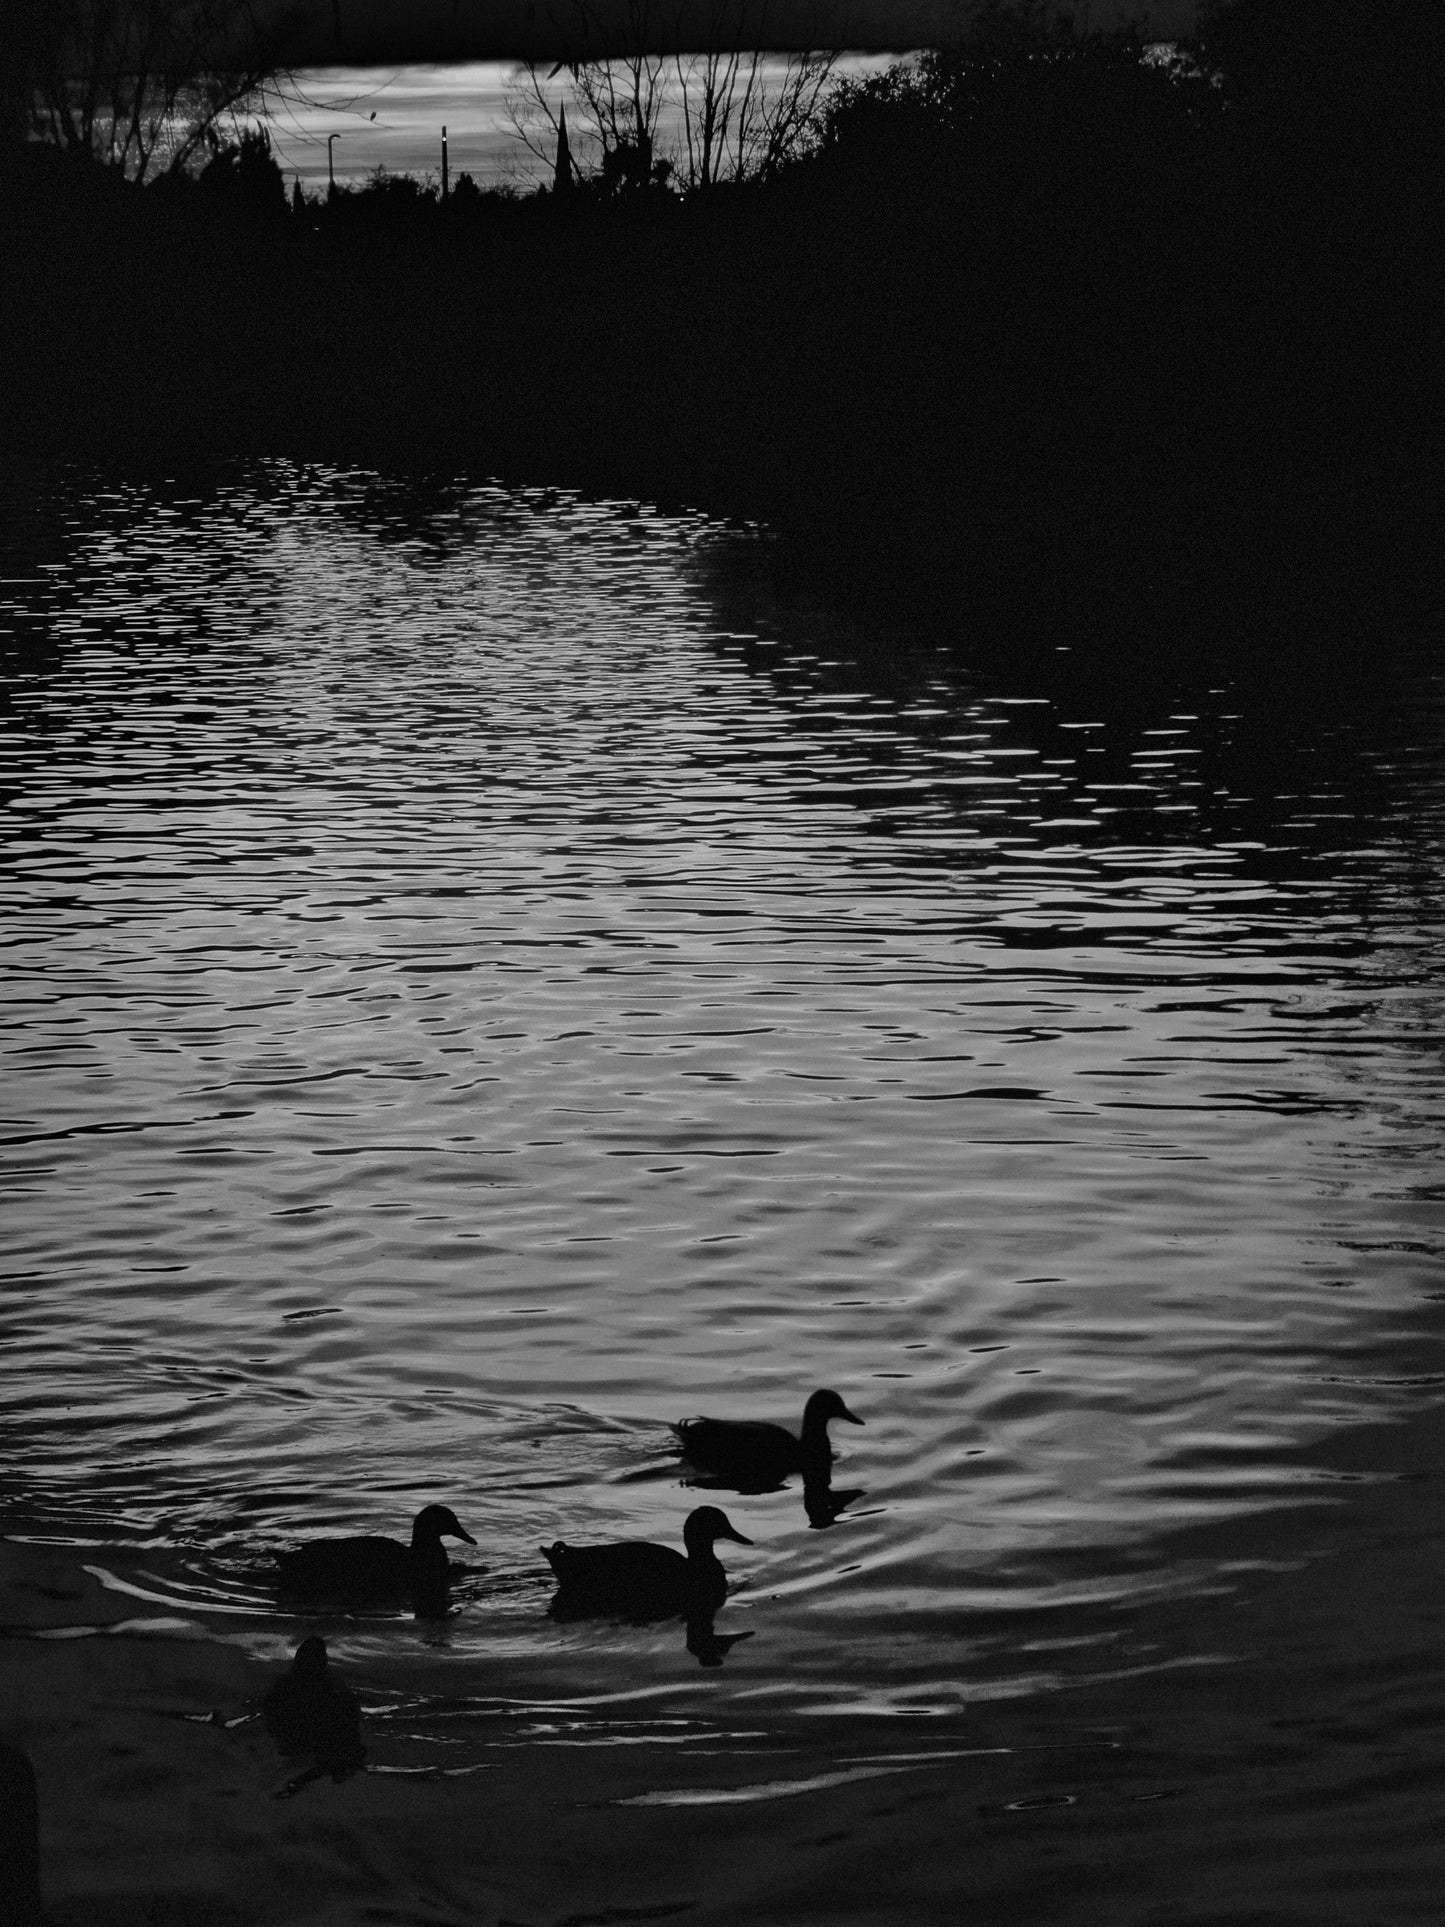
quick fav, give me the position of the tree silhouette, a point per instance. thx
(140, 85)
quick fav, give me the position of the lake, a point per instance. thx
(489, 974)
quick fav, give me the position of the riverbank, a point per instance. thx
(1290, 1773)
(1110, 359)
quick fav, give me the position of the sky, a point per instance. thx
(388, 95)
(411, 105)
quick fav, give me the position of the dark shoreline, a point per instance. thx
(1169, 382)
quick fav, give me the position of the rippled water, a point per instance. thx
(485, 978)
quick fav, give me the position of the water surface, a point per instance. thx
(484, 978)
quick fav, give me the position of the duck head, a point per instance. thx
(821, 1407)
(437, 1522)
(708, 1523)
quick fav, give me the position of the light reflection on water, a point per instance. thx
(484, 979)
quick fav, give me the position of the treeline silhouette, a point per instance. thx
(1045, 337)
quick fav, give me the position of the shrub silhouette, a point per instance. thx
(245, 174)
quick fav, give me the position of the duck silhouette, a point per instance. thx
(638, 1580)
(374, 1568)
(307, 1710)
(751, 1455)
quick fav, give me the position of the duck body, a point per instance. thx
(374, 1567)
(755, 1455)
(308, 1710)
(638, 1579)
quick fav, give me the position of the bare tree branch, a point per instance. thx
(739, 111)
(138, 84)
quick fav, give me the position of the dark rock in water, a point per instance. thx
(19, 1841)
(639, 1580)
(310, 1712)
(371, 1569)
(753, 1456)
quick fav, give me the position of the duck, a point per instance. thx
(646, 1581)
(754, 1455)
(374, 1567)
(307, 1710)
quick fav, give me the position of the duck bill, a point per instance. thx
(852, 1417)
(462, 1533)
(731, 1532)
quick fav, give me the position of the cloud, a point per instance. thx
(365, 32)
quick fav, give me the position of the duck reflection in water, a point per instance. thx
(707, 1646)
(822, 1504)
(641, 1582)
(309, 1711)
(377, 1571)
(751, 1455)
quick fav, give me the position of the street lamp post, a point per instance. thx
(330, 166)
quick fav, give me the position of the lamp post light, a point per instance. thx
(330, 166)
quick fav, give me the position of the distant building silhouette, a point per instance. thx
(562, 174)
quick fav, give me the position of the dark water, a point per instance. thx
(483, 979)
